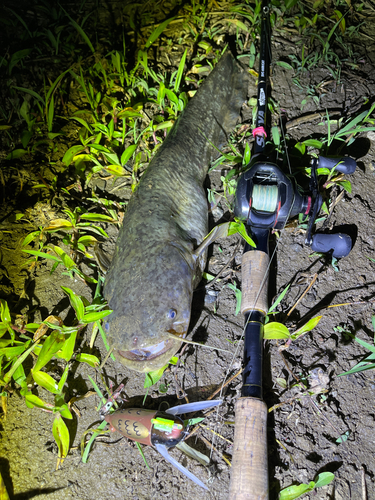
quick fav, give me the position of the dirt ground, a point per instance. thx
(302, 430)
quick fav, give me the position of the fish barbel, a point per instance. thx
(158, 261)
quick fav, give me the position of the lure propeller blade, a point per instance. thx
(164, 452)
(188, 408)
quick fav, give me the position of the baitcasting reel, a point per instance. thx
(266, 198)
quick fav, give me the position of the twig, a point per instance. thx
(224, 268)
(212, 447)
(226, 383)
(364, 493)
(304, 293)
(216, 433)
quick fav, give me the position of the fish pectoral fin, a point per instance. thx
(220, 231)
(102, 258)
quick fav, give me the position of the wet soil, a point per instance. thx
(302, 429)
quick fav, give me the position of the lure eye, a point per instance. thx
(172, 313)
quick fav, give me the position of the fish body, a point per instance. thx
(156, 265)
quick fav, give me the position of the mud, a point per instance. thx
(303, 429)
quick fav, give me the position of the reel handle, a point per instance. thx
(339, 244)
(345, 164)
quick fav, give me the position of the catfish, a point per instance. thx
(161, 250)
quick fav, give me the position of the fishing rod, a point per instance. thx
(265, 199)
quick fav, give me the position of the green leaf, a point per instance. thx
(82, 33)
(111, 158)
(117, 170)
(95, 434)
(51, 111)
(239, 227)
(46, 381)
(155, 376)
(16, 364)
(4, 311)
(97, 218)
(306, 327)
(247, 155)
(157, 32)
(346, 185)
(52, 344)
(239, 24)
(32, 93)
(275, 331)
(142, 454)
(95, 316)
(44, 255)
(16, 153)
(62, 381)
(71, 153)
(343, 437)
(64, 411)
(238, 293)
(68, 347)
(295, 491)
(128, 153)
(301, 147)
(13, 352)
(61, 435)
(284, 64)
(30, 237)
(129, 113)
(67, 261)
(99, 147)
(76, 302)
(87, 240)
(19, 377)
(97, 390)
(57, 224)
(18, 56)
(279, 299)
(32, 400)
(290, 3)
(90, 359)
(323, 479)
(313, 143)
(275, 135)
(180, 72)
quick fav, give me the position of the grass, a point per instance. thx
(98, 111)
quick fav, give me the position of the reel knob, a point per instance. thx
(345, 164)
(339, 244)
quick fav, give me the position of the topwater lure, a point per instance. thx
(160, 429)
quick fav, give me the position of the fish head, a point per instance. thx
(152, 313)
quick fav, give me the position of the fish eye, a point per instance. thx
(172, 313)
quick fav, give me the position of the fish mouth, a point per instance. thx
(148, 353)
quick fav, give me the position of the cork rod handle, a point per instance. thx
(254, 285)
(249, 476)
